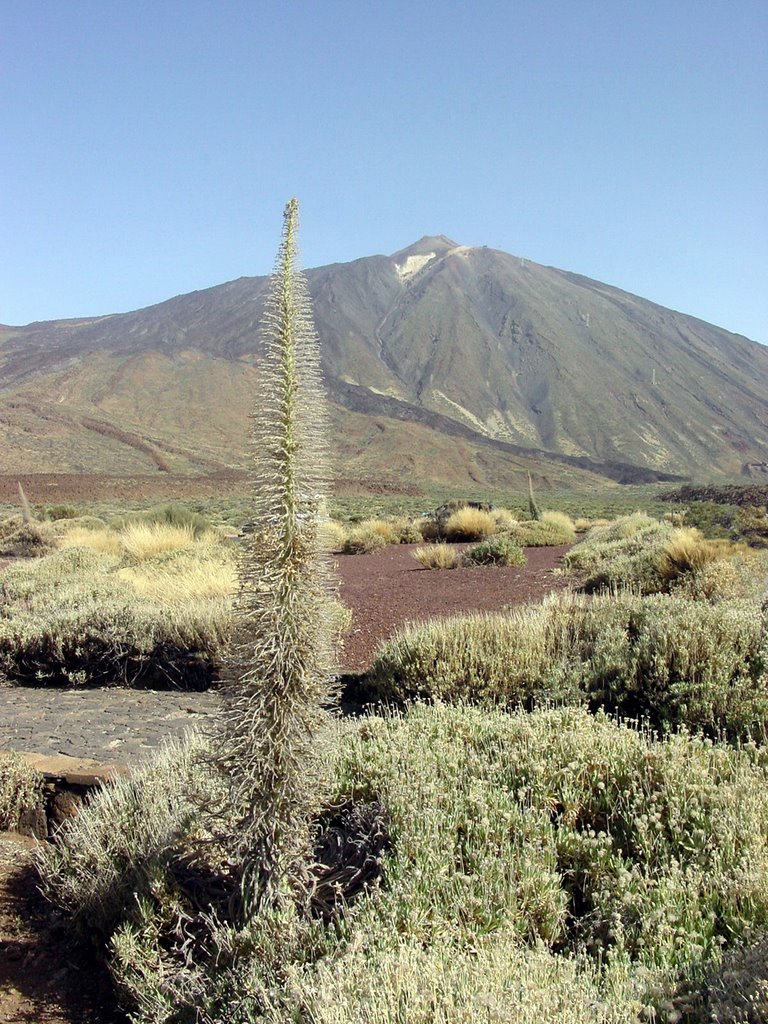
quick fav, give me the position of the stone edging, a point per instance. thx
(66, 783)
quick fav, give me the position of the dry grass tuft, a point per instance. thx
(105, 541)
(560, 520)
(437, 556)
(332, 535)
(470, 524)
(386, 529)
(687, 551)
(183, 576)
(147, 540)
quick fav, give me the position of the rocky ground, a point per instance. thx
(45, 976)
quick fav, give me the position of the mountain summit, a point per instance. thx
(456, 362)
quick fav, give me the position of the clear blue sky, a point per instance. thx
(148, 149)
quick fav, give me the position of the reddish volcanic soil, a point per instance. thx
(389, 588)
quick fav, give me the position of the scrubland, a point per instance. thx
(561, 815)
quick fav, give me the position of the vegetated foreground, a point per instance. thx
(550, 865)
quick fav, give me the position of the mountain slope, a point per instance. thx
(459, 342)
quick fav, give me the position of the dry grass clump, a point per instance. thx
(560, 520)
(582, 524)
(179, 576)
(468, 523)
(147, 540)
(384, 528)
(556, 865)
(741, 576)
(332, 535)
(362, 540)
(105, 541)
(20, 789)
(437, 556)
(70, 619)
(687, 552)
(494, 551)
(138, 540)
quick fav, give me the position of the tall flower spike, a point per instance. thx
(279, 677)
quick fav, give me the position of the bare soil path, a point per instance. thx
(389, 588)
(45, 978)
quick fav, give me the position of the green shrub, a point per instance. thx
(20, 789)
(538, 533)
(25, 540)
(508, 658)
(108, 854)
(625, 553)
(753, 525)
(55, 512)
(674, 661)
(555, 864)
(63, 526)
(715, 520)
(494, 551)
(409, 533)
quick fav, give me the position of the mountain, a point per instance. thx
(443, 362)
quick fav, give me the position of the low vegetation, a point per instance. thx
(20, 539)
(494, 551)
(558, 862)
(437, 556)
(362, 540)
(567, 817)
(468, 524)
(20, 789)
(80, 616)
(671, 660)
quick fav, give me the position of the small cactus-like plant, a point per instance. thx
(279, 675)
(533, 508)
(26, 511)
